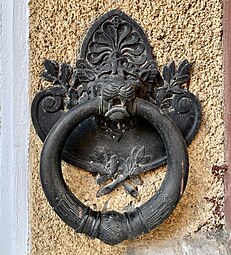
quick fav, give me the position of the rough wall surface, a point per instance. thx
(177, 29)
(194, 245)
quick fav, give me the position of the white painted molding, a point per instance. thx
(14, 127)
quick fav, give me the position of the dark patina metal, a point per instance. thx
(116, 115)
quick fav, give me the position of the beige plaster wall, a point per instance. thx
(176, 29)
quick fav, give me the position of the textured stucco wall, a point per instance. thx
(176, 30)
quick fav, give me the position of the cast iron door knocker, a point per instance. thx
(114, 114)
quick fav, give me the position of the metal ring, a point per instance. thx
(113, 227)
